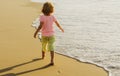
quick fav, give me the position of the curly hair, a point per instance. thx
(47, 8)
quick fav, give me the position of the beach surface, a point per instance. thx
(20, 53)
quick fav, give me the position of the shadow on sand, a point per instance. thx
(15, 66)
(16, 74)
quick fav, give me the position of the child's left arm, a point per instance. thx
(39, 28)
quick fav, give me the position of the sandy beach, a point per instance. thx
(20, 52)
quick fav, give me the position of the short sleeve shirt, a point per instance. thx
(47, 28)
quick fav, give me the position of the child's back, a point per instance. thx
(47, 29)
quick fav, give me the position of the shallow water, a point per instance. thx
(92, 32)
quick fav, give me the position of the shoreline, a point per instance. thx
(19, 45)
(86, 63)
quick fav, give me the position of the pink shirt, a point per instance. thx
(47, 28)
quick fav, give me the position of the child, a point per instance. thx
(47, 30)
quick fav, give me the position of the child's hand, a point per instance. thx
(62, 30)
(34, 35)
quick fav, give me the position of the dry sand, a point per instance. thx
(18, 48)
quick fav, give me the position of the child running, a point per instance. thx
(47, 30)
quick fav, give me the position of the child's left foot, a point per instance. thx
(42, 57)
(43, 54)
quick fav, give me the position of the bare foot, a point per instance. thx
(42, 57)
(51, 64)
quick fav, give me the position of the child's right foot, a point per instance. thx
(51, 64)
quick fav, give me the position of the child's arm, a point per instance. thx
(39, 28)
(58, 25)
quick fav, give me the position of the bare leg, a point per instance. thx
(52, 57)
(43, 54)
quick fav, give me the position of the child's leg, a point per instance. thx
(43, 54)
(51, 48)
(44, 45)
(52, 57)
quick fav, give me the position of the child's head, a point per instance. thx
(47, 8)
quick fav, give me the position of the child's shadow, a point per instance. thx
(15, 74)
(12, 67)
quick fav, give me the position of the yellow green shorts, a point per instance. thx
(48, 43)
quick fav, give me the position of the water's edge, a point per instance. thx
(79, 60)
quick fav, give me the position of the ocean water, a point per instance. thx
(92, 32)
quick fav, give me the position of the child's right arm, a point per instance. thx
(58, 25)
